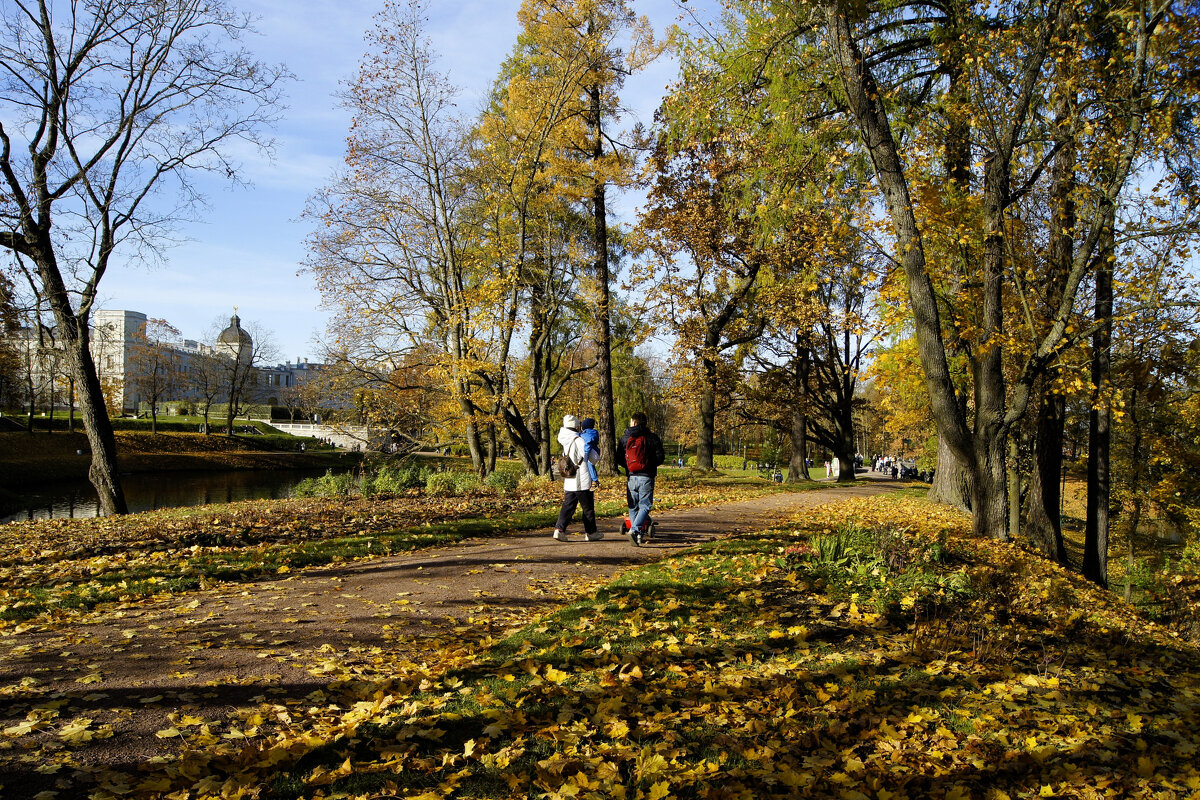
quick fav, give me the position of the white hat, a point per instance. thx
(569, 421)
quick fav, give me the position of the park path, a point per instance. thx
(220, 654)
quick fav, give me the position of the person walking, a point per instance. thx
(577, 482)
(640, 453)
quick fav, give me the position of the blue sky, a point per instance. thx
(247, 248)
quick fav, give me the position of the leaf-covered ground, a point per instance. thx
(868, 649)
(741, 671)
(56, 568)
(99, 693)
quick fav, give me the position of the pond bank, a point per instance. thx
(28, 460)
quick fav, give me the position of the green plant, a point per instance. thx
(441, 484)
(465, 482)
(342, 484)
(503, 481)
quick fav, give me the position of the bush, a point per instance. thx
(465, 482)
(503, 481)
(441, 484)
(395, 478)
(328, 485)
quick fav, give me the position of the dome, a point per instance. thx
(234, 340)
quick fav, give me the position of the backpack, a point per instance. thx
(637, 459)
(566, 467)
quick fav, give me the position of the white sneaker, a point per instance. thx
(593, 537)
(560, 536)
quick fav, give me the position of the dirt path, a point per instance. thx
(243, 661)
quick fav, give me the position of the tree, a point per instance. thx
(204, 378)
(154, 365)
(535, 237)
(709, 299)
(980, 444)
(394, 258)
(107, 108)
(237, 354)
(579, 40)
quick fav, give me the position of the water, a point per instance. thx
(146, 492)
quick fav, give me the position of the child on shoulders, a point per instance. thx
(591, 441)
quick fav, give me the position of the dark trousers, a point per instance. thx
(586, 501)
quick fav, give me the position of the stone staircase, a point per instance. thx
(346, 437)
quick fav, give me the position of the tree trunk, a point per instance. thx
(951, 482)
(708, 421)
(605, 423)
(1045, 490)
(73, 332)
(863, 95)
(1095, 543)
(1043, 521)
(798, 464)
(1014, 486)
(70, 405)
(989, 492)
(1135, 490)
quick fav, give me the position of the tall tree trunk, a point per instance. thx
(73, 332)
(1135, 490)
(1042, 519)
(863, 95)
(950, 482)
(798, 464)
(605, 423)
(798, 467)
(1045, 494)
(1095, 543)
(1014, 486)
(70, 404)
(990, 479)
(708, 419)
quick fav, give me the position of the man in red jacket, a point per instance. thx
(640, 452)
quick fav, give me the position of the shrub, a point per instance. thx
(441, 484)
(465, 482)
(328, 485)
(503, 481)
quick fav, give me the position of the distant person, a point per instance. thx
(640, 453)
(577, 482)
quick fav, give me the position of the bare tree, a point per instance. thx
(109, 108)
(238, 354)
(155, 365)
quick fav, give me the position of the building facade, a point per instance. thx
(118, 335)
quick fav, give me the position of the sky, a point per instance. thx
(246, 249)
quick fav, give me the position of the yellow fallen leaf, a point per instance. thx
(76, 731)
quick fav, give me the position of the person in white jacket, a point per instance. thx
(577, 490)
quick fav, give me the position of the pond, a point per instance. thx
(149, 491)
